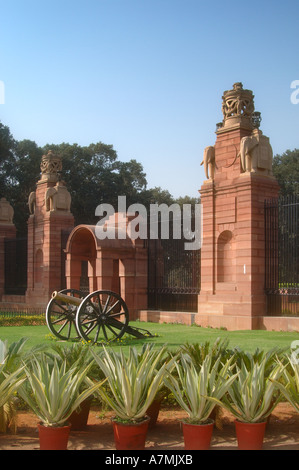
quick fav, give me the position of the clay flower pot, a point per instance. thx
(79, 418)
(53, 438)
(250, 436)
(197, 436)
(130, 436)
(153, 412)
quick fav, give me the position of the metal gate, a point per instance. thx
(15, 266)
(173, 275)
(282, 255)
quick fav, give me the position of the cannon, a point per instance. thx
(99, 317)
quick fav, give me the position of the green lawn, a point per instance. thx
(173, 335)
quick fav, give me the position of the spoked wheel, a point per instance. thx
(102, 317)
(61, 316)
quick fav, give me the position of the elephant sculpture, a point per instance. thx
(58, 198)
(256, 153)
(209, 162)
(32, 202)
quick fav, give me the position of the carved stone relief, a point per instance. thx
(58, 198)
(237, 107)
(32, 202)
(209, 162)
(51, 166)
(256, 153)
(6, 212)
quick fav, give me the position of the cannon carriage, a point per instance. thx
(99, 317)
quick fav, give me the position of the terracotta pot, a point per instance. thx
(79, 418)
(153, 412)
(53, 438)
(197, 436)
(250, 436)
(130, 436)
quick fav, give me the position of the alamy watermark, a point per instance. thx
(2, 92)
(295, 94)
(295, 352)
(135, 222)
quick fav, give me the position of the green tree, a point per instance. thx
(156, 195)
(188, 200)
(89, 176)
(22, 176)
(286, 171)
(7, 144)
(93, 175)
(131, 180)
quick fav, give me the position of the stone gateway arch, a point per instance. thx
(230, 291)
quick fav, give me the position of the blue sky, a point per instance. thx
(147, 76)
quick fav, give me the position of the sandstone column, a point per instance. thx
(233, 253)
(50, 214)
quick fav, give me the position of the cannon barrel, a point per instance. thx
(99, 310)
(66, 298)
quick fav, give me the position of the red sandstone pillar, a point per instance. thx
(233, 255)
(50, 215)
(72, 272)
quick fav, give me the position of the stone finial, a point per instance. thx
(6, 212)
(237, 108)
(51, 166)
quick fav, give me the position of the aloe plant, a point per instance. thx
(78, 354)
(53, 389)
(198, 351)
(9, 383)
(11, 378)
(289, 387)
(259, 355)
(194, 385)
(74, 353)
(254, 394)
(132, 381)
(3, 351)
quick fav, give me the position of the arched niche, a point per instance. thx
(116, 264)
(226, 259)
(81, 252)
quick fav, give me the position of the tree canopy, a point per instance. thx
(93, 175)
(286, 171)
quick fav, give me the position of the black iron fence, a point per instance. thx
(282, 255)
(173, 274)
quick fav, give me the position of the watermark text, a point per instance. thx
(295, 94)
(295, 352)
(160, 222)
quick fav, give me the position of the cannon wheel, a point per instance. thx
(61, 316)
(102, 317)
